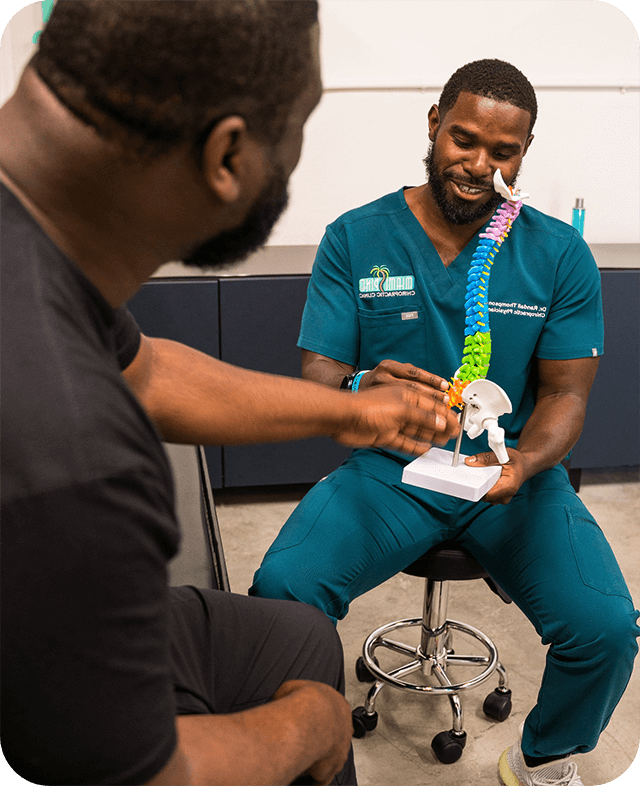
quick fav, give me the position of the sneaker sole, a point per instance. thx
(506, 775)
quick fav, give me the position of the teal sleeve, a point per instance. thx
(330, 319)
(574, 327)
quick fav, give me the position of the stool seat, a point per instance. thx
(447, 561)
(430, 660)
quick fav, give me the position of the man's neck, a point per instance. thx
(116, 217)
(448, 239)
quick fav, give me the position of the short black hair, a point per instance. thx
(494, 79)
(163, 72)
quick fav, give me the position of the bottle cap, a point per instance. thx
(579, 204)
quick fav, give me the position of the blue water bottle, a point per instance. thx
(577, 221)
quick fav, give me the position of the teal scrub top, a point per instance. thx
(379, 290)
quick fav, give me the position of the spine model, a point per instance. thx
(476, 354)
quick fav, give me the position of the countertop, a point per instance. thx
(298, 260)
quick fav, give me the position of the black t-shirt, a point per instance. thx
(88, 527)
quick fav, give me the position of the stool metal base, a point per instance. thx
(433, 657)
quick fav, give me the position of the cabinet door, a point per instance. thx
(184, 310)
(259, 326)
(611, 433)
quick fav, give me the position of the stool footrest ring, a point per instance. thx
(377, 639)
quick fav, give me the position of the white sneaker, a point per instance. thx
(514, 771)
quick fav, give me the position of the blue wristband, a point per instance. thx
(356, 380)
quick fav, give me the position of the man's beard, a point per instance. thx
(236, 244)
(458, 212)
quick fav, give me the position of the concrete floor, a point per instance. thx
(399, 751)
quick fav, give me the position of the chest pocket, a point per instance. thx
(396, 334)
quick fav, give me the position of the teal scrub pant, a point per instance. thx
(361, 525)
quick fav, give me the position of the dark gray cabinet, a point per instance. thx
(259, 326)
(253, 322)
(611, 433)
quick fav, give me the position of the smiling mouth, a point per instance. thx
(469, 190)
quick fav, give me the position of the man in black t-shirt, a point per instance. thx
(143, 132)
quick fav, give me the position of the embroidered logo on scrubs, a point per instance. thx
(382, 274)
(383, 284)
(518, 309)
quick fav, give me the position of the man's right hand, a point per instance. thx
(397, 406)
(306, 728)
(335, 725)
(407, 417)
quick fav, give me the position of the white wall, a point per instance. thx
(386, 61)
(384, 64)
(16, 45)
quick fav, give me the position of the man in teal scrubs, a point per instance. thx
(386, 305)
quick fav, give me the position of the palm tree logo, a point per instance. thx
(382, 273)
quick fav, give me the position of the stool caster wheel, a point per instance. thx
(448, 746)
(362, 672)
(497, 705)
(363, 722)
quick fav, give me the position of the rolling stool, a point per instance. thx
(443, 563)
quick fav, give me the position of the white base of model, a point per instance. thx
(433, 471)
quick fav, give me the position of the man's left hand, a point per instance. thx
(513, 475)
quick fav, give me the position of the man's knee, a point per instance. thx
(273, 579)
(316, 623)
(620, 631)
(607, 632)
(315, 641)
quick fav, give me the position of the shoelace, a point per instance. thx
(569, 777)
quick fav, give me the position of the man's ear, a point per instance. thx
(527, 143)
(223, 157)
(433, 116)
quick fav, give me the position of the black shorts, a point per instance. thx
(232, 652)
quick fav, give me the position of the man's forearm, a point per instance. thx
(551, 432)
(556, 422)
(308, 728)
(196, 398)
(324, 370)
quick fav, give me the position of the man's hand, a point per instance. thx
(408, 418)
(336, 725)
(514, 474)
(390, 372)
